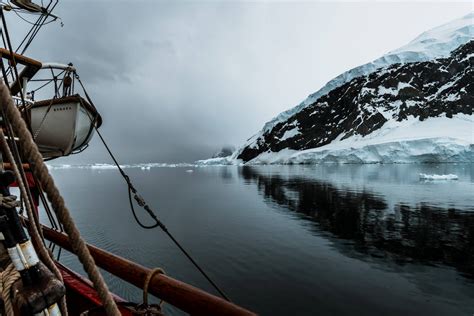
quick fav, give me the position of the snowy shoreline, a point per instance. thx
(435, 140)
(220, 162)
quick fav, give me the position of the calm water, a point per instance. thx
(295, 240)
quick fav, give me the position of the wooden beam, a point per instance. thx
(184, 296)
(31, 68)
(23, 60)
(8, 166)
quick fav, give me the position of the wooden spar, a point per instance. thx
(31, 68)
(20, 58)
(8, 166)
(184, 296)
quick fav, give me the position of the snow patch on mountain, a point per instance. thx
(290, 133)
(436, 43)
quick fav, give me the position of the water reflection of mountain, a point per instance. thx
(421, 233)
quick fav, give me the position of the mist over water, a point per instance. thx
(294, 240)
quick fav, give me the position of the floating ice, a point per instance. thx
(438, 176)
(105, 166)
(102, 166)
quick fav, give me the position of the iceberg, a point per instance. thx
(438, 176)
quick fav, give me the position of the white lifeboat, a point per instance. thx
(63, 126)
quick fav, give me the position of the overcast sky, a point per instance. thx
(174, 81)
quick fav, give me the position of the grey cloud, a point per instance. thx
(176, 80)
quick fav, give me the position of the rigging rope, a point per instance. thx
(18, 168)
(13, 63)
(8, 129)
(43, 119)
(32, 154)
(33, 224)
(141, 202)
(20, 173)
(29, 37)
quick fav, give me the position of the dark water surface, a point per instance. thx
(295, 240)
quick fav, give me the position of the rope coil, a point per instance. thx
(7, 278)
(149, 277)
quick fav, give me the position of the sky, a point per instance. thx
(177, 80)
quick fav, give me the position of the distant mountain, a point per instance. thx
(412, 105)
(225, 151)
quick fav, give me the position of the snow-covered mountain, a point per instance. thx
(414, 104)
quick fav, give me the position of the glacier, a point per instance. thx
(434, 140)
(437, 139)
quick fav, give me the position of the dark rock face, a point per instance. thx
(364, 104)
